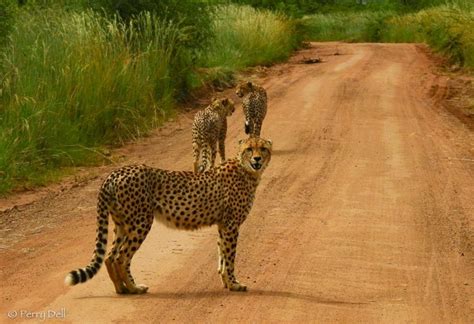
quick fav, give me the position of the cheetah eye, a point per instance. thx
(248, 150)
(264, 150)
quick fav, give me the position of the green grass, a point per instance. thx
(74, 81)
(245, 36)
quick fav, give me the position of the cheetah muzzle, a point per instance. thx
(134, 196)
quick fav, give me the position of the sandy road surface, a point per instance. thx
(364, 215)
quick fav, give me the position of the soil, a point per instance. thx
(365, 214)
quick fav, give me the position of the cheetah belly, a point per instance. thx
(195, 215)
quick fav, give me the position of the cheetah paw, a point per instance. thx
(235, 286)
(139, 289)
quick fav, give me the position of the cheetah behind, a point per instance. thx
(210, 128)
(254, 103)
(135, 195)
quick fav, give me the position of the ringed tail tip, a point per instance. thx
(69, 280)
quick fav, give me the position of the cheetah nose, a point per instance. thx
(257, 158)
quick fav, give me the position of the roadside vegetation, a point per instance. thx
(446, 26)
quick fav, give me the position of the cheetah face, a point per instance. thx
(225, 104)
(255, 154)
(229, 106)
(244, 88)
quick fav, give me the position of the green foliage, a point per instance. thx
(290, 7)
(363, 26)
(7, 10)
(194, 15)
(298, 8)
(448, 29)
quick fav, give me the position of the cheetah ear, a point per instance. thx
(268, 144)
(241, 141)
(249, 84)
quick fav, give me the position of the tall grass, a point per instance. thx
(448, 29)
(73, 81)
(244, 36)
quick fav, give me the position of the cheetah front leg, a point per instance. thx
(222, 136)
(213, 154)
(222, 149)
(220, 262)
(228, 247)
(196, 150)
(257, 127)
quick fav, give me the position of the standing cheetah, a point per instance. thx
(209, 128)
(135, 195)
(254, 103)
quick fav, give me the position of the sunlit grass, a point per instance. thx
(245, 37)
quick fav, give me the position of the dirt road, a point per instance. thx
(366, 213)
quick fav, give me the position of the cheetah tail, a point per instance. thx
(247, 127)
(206, 153)
(83, 274)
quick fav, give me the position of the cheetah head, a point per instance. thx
(255, 154)
(243, 88)
(224, 104)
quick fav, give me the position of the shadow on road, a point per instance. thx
(224, 293)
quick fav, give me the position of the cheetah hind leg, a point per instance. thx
(111, 262)
(127, 251)
(123, 269)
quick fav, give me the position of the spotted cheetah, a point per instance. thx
(135, 195)
(210, 128)
(254, 103)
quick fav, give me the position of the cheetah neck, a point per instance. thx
(255, 176)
